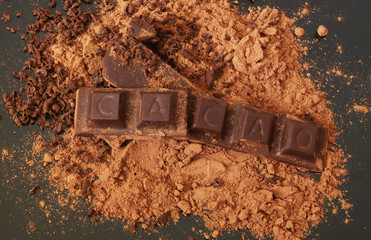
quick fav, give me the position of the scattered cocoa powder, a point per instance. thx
(322, 31)
(251, 58)
(299, 32)
(34, 189)
(361, 109)
(5, 17)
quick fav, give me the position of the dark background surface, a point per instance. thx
(17, 208)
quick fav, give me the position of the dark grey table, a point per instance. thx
(17, 208)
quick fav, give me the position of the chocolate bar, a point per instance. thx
(133, 113)
(143, 113)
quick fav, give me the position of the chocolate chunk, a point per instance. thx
(134, 113)
(155, 107)
(209, 116)
(252, 125)
(133, 73)
(300, 142)
(299, 139)
(141, 30)
(105, 106)
(119, 74)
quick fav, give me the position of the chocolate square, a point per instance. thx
(209, 116)
(105, 106)
(155, 107)
(253, 125)
(300, 139)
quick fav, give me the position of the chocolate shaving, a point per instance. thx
(210, 77)
(189, 55)
(34, 189)
(57, 100)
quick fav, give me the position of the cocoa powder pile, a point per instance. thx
(252, 58)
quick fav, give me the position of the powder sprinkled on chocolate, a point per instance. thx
(251, 58)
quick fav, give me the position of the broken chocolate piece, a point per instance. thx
(155, 107)
(209, 116)
(133, 74)
(105, 106)
(123, 75)
(141, 30)
(299, 139)
(133, 113)
(300, 142)
(253, 125)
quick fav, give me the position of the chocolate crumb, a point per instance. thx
(164, 218)
(33, 228)
(34, 189)
(130, 9)
(141, 30)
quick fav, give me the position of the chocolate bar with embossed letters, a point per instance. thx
(142, 113)
(133, 113)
